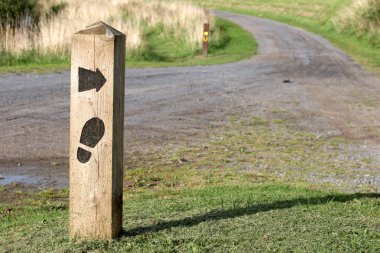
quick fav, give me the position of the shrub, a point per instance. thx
(362, 18)
(60, 19)
(15, 12)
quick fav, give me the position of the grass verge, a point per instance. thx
(251, 189)
(270, 217)
(358, 48)
(314, 16)
(235, 44)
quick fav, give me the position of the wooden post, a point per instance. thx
(96, 132)
(206, 35)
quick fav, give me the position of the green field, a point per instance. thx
(314, 15)
(234, 44)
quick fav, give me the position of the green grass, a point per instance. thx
(314, 15)
(247, 189)
(271, 217)
(235, 44)
(32, 62)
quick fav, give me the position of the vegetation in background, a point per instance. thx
(52, 33)
(15, 13)
(363, 19)
(314, 15)
(159, 33)
(233, 44)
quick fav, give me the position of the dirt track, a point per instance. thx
(328, 94)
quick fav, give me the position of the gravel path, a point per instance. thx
(327, 93)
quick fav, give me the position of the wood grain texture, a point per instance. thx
(96, 185)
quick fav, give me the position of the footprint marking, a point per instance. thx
(92, 133)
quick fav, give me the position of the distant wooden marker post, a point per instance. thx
(96, 132)
(206, 36)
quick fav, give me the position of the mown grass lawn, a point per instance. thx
(254, 187)
(264, 217)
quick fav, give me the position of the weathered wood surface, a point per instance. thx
(96, 132)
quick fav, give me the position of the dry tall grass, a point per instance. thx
(53, 36)
(363, 17)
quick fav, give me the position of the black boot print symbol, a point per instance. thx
(92, 133)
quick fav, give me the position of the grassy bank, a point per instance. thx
(234, 44)
(251, 187)
(317, 16)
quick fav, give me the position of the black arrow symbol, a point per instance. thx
(89, 79)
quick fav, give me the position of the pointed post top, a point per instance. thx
(100, 28)
(97, 133)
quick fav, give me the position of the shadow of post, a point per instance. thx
(249, 210)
